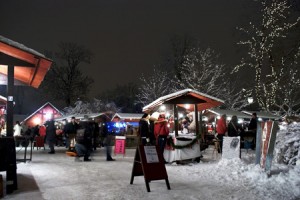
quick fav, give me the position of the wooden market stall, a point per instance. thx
(187, 146)
(19, 65)
(200, 102)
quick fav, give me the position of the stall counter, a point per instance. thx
(171, 154)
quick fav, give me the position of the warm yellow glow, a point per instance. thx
(37, 120)
(48, 116)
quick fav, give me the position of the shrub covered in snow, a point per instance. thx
(288, 144)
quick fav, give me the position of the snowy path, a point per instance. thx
(59, 177)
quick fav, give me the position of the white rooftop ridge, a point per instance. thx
(179, 93)
(20, 46)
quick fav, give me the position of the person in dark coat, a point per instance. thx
(108, 137)
(84, 139)
(144, 129)
(96, 134)
(50, 135)
(70, 131)
(253, 127)
(253, 123)
(234, 129)
(153, 118)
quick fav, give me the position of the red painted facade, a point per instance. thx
(43, 114)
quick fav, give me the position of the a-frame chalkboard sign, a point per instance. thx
(148, 161)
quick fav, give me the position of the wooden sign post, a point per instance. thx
(148, 161)
(120, 143)
(268, 140)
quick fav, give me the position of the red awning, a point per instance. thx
(35, 66)
(186, 96)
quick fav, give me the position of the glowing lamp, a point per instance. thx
(228, 118)
(37, 120)
(250, 100)
(48, 116)
(187, 106)
(180, 115)
(259, 119)
(162, 107)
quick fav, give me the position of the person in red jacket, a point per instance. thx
(221, 130)
(161, 132)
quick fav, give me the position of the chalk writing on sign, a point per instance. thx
(151, 154)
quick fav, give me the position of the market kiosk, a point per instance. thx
(184, 146)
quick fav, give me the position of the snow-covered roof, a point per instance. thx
(128, 115)
(20, 46)
(262, 114)
(79, 116)
(210, 101)
(2, 98)
(229, 113)
(30, 66)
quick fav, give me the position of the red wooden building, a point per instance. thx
(41, 115)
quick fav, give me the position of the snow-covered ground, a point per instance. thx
(59, 177)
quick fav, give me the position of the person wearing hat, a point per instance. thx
(153, 118)
(161, 132)
(221, 130)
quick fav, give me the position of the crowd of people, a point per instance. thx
(84, 137)
(233, 129)
(79, 138)
(153, 130)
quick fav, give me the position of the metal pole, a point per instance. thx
(176, 119)
(196, 119)
(10, 101)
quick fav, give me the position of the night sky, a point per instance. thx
(126, 37)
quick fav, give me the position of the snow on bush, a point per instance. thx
(288, 144)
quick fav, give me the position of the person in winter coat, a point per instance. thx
(18, 129)
(221, 130)
(253, 123)
(161, 132)
(152, 120)
(50, 135)
(234, 129)
(84, 137)
(144, 129)
(70, 131)
(108, 138)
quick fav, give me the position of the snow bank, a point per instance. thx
(287, 144)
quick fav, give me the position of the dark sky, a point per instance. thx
(126, 37)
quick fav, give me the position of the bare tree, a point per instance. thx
(201, 71)
(180, 47)
(65, 80)
(263, 50)
(288, 96)
(94, 106)
(124, 96)
(154, 86)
